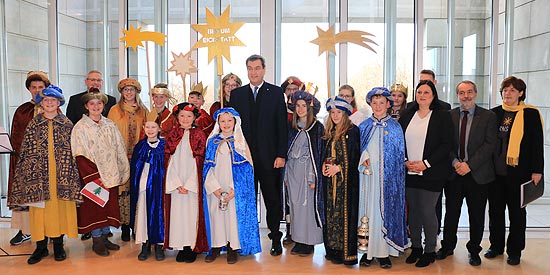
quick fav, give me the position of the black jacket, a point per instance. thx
(75, 108)
(264, 122)
(437, 147)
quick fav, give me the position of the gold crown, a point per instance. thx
(152, 116)
(199, 88)
(311, 88)
(399, 87)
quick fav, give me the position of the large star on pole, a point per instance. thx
(218, 35)
(327, 40)
(182, 64)
(133, 37)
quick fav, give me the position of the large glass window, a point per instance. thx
(88, 40)
(299, 57)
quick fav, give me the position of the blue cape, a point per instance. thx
(245, 198)
(393, 202)
(143, 153)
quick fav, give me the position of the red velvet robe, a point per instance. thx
(197, 139)
(21, 118)
(90, 215)
(205, 123)
(166, 121)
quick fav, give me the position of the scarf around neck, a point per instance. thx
(516, 133)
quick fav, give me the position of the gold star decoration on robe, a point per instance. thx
(327, 40)
(218, 35)
(134, 37)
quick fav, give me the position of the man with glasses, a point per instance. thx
(94, 83)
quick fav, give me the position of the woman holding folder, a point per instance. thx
(518, 159)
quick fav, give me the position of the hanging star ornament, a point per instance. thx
(327, 40)
(182, 64)
(134, 37)
(218, 35)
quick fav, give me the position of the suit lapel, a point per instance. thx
(475, 123)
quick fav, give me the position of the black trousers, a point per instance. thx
(502, 194)
(476, 199)
(270, 185)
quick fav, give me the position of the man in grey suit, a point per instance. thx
(474, 142)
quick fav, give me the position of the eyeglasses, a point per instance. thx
(345, 96)
(233, 86)
(95, 79)
(292, 89)
(129, 89)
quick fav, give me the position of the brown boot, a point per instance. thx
(108, 244)
(213, 255)
(98, 246)
(232, 255)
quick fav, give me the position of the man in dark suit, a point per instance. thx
(75, 108)
(475, 136)
(263, 114)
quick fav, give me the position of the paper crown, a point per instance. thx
(198, 88)
(152, 116)
(399, 87)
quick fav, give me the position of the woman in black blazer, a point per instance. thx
(428, 135)
(519, 158)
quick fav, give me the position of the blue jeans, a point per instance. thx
(100, 231)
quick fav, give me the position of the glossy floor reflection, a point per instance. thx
(81, 260)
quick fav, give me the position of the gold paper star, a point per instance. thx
(327, 39)
(218, 36)
(133, 37)
(182, 64)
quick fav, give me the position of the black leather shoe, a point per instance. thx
(426, 259)
(296, 249)
(59, 252)
(145, 251)
(385, 262)
(276, 248)
(490, 253)
(159, 252)
(415, 255)
(474, 259)
(180, 257)
(443, 253)
(513, 260)
(306, 250)
(364, 261)
(37, 255)
(85, 236)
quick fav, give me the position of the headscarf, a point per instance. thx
(240, 141)
(339, 103)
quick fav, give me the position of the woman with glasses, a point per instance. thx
(348, 93)
(229, 82)
(129, 117)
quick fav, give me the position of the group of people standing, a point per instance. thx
(187, 180)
